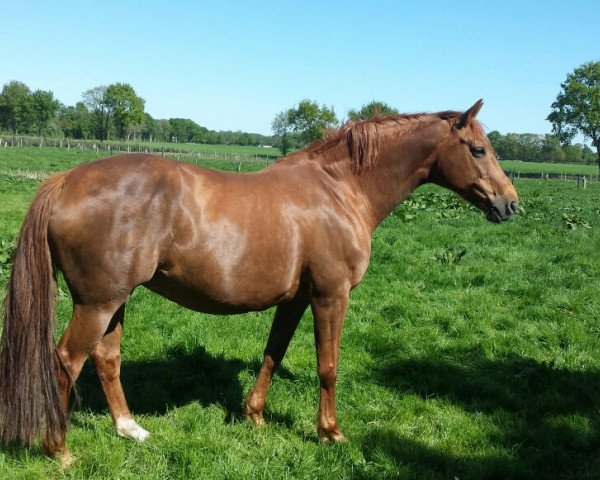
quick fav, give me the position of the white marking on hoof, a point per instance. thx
(128, 428)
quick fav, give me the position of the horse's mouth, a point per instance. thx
(498, 212)
(494, 216)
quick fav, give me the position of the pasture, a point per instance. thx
(541, 167)
(470, 350)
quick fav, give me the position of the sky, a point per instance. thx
(233, 65)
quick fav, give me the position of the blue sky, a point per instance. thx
(232, 65)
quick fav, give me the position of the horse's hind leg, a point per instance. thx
(107, 361)
(287, 317)
(88, 325)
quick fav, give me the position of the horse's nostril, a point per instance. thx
(512, 207)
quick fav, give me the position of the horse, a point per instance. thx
(296, 233)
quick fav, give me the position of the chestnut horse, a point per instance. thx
(297, 233)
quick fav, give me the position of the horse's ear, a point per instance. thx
(470, 114)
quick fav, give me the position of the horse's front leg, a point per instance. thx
(287, 317)
(328, 312)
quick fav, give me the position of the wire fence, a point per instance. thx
(581, 179)
(189, 152)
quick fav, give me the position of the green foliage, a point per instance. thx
(577, 106)
(42, 108)
(442, 205)
(370, 110)
(574, 220)
(75, 122)
(307, 122)
(116, 106)
(13, 106)
(184, 130)
(24, 112)
(283, 136)
(124, 105)
(531, 147)
(450, 256)
(95, 100)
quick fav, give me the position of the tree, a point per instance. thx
(184, 130)
(95, 100)
(148, 128)
(75, 122)
(281, 128)
(310, 121)
(41, 108)
(587, 155)
(577, 106)
(125, 107)
(573, 153)
(552, 150)
(14, 106)
(305, 123)
(370, 110)
(163, 131)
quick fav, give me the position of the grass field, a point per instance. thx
(470, 351)
(17, 161)
(205, 149)
(538, 167)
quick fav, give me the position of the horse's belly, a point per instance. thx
(238, 296)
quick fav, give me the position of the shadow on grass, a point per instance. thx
(545, 421)
(154, 386)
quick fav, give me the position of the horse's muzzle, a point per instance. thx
(502, 209)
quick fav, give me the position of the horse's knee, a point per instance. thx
(327, 375)
(108, 364)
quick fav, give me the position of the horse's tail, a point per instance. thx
(29, 395)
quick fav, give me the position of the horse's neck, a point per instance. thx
(404, 163)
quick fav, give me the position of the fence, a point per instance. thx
(581, 179)
(189, 152)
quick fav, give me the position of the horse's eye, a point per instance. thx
(478, 151)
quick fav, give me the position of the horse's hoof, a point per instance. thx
(256, 418)
(128, 428)
(331, 436)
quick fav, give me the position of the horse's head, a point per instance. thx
(466, 163)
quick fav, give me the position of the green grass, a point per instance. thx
(205, 149)
(470, 351)
(15, 161)
(537, 167)
(219, 149)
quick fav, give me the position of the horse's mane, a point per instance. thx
(362, 139)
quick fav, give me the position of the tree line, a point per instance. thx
(104, 112)
(117, 112)
(533, 147)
